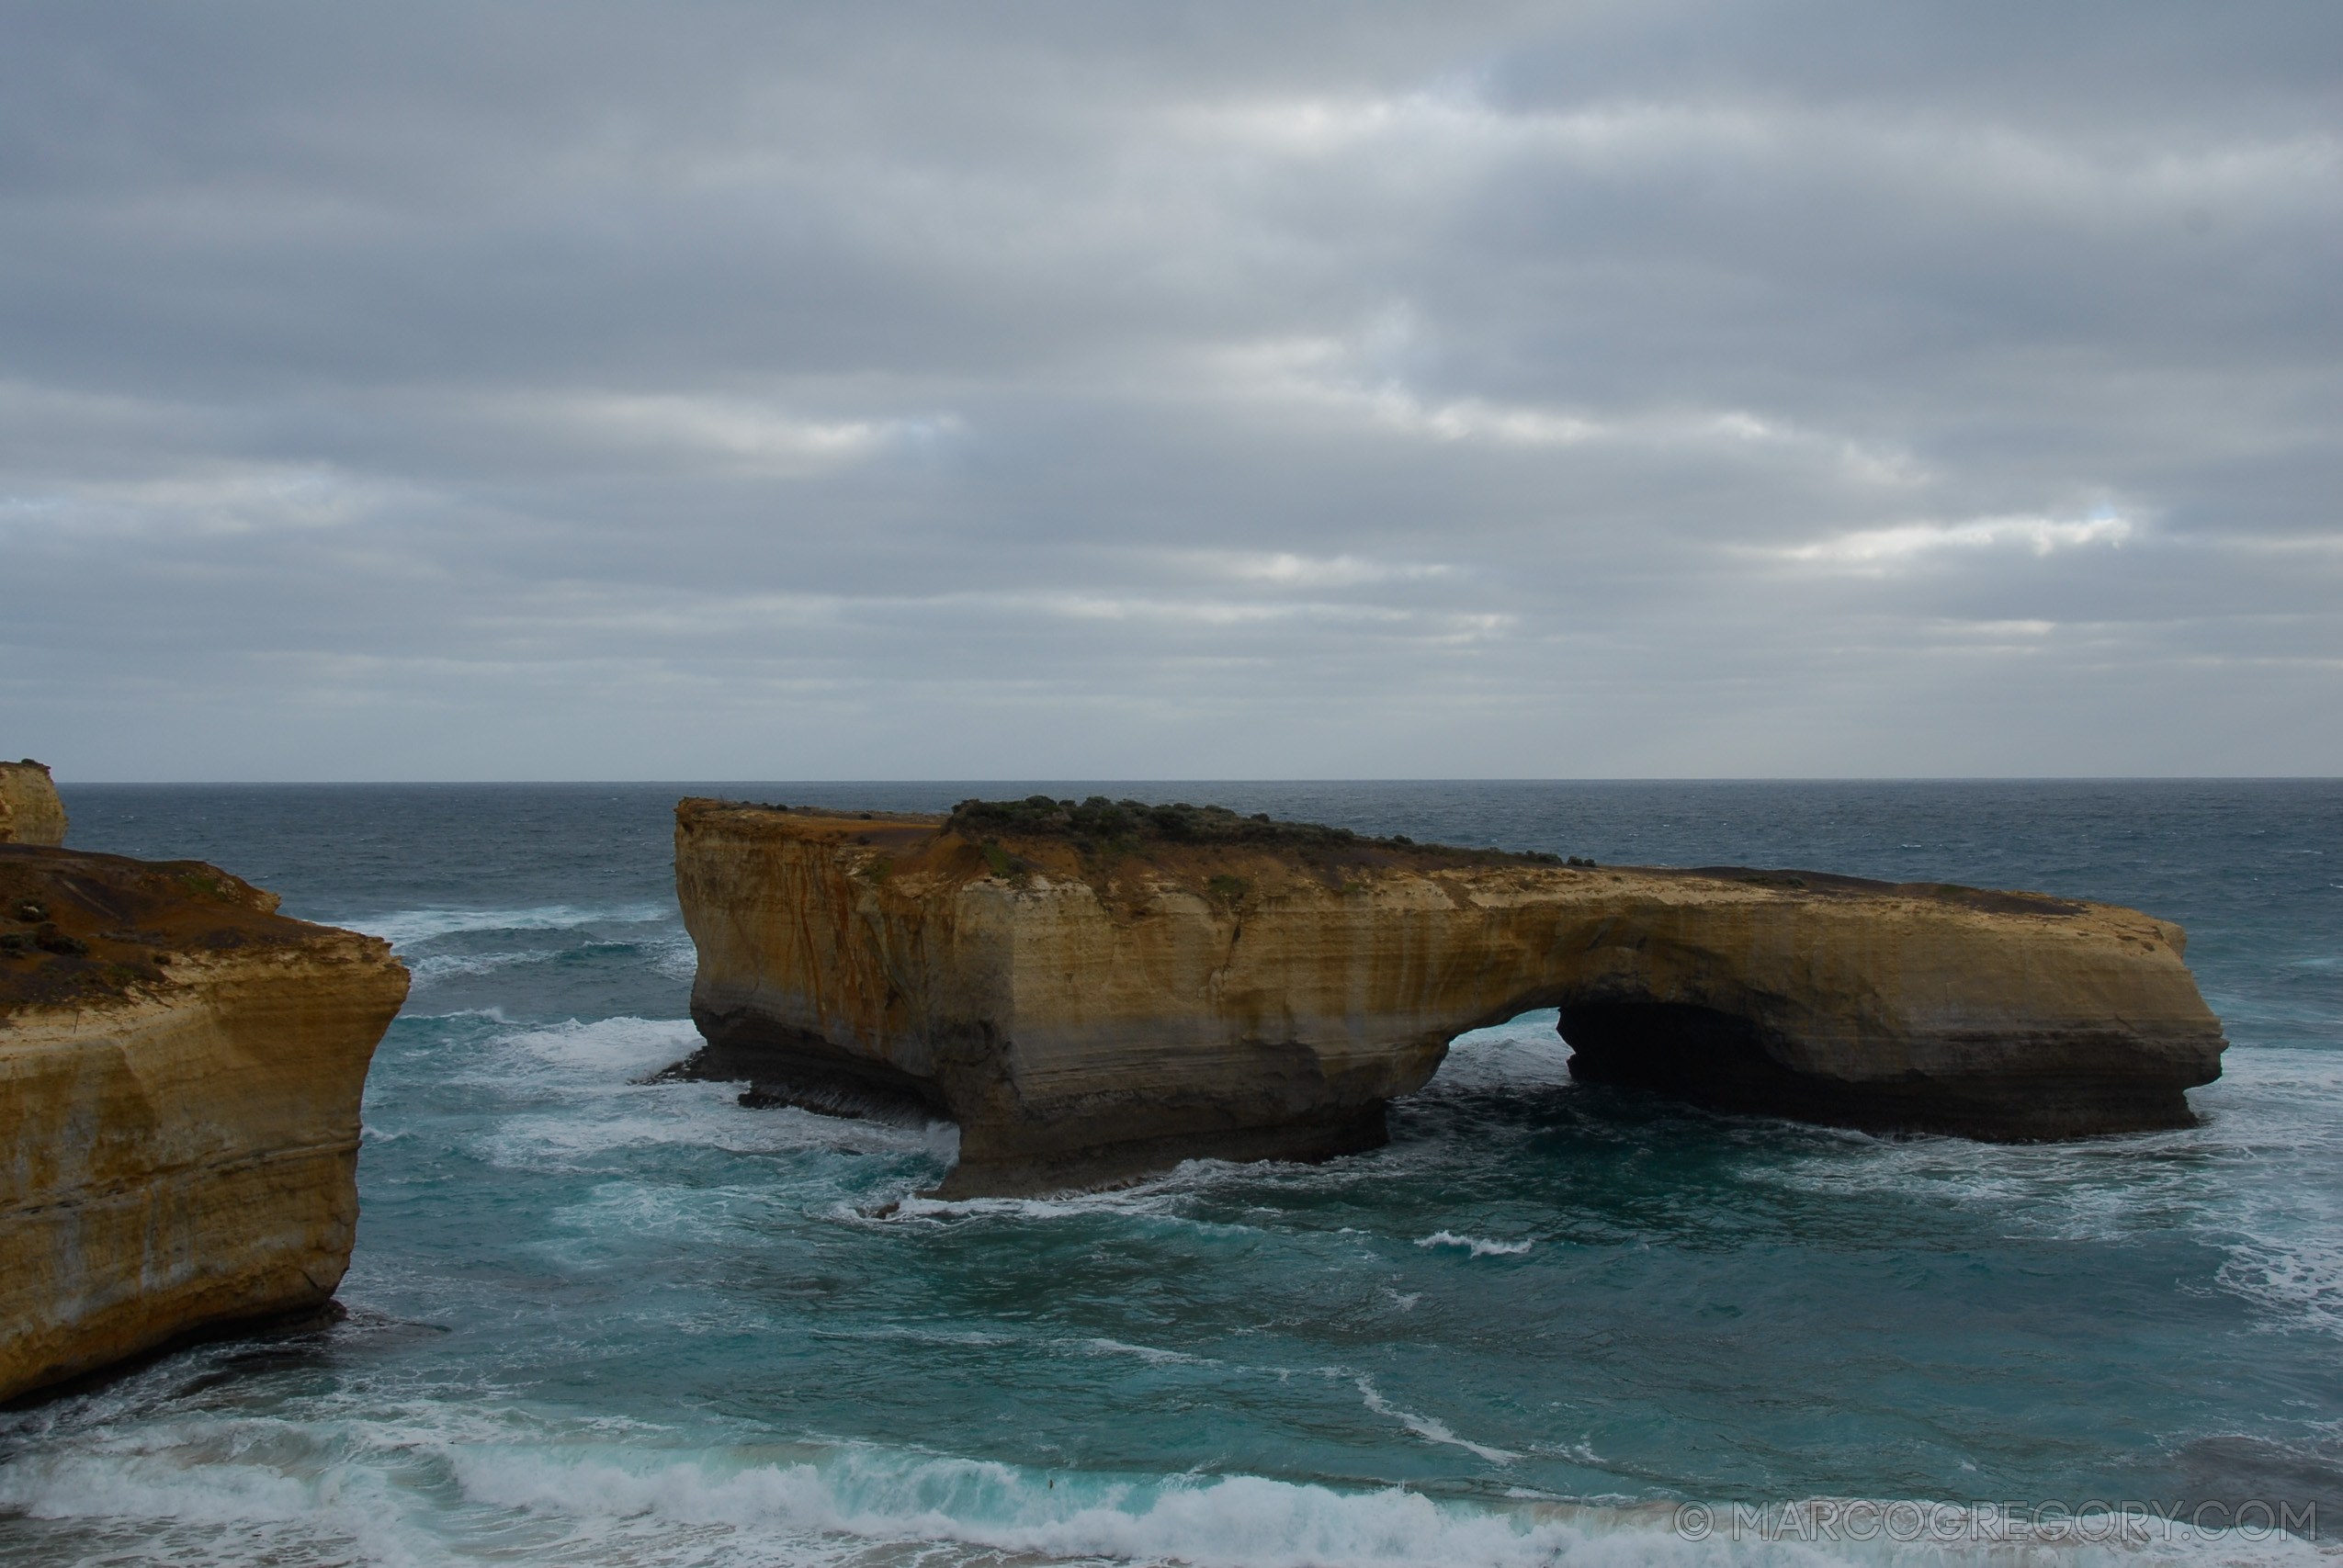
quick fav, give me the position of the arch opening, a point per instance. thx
(1701, 1055)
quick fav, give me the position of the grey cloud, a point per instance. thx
(732, 390)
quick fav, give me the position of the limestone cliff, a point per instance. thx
(179, 1076)
(1088, 1005)
(30, 812)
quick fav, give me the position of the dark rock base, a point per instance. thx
(784, 1067)
(789, 1067)
(1715, 1060)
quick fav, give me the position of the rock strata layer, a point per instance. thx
(180, 1069)
(1091, 1009)
(30, 812)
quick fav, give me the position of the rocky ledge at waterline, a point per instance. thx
(1093, 991)
(180, 1069)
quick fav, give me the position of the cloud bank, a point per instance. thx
(965, 391)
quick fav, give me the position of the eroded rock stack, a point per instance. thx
(30, 812)
(1095, 993)
(180, 1069)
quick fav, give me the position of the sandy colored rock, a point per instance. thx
(1087, 1016)
(30, 812)
(180, 1069)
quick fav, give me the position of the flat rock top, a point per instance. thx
(77, 927)
(1200, 844)
(1219, 854)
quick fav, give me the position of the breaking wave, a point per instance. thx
(419, 1489)
(1479, 1246)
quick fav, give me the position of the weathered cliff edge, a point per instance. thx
(30, 812)
(1089, 1015)
(179, 1077)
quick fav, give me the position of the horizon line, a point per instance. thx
(1327, 779)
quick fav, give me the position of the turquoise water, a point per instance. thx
(593, 1321)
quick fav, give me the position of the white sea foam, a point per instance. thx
(694, 1115)
(1148, 1353)
(914, 1207)
(694, 1216)
(677, 959)
(2255, 1179)
(596, 1053)
(224, 1492)
(432, 968)
(1240, 1521)
(2299, 1279)
(442, 966)
(2286, 1246)
(434, 1485)
(487, 1014)
(1480, 1247)
(1236, 1522)
(405, 928)
(579, 1097)
(703, 1116)
(1160, 1196)
(1429, 1428)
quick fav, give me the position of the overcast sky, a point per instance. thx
(959, 391)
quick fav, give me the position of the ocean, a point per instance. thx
(596, 1321)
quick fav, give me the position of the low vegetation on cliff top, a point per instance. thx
(1130, 827)
(79, 928)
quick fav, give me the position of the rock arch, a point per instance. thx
(1085, 1024)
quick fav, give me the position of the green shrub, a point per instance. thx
(1003, 864)
(51, 940)
(1102, 827)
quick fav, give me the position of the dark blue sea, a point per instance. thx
(593, 1321)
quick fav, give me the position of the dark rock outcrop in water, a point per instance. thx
(1097, 992)
(180, 1069)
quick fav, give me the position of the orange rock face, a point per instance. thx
(180, 1070)
(1088, 1016)
(30, 812)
